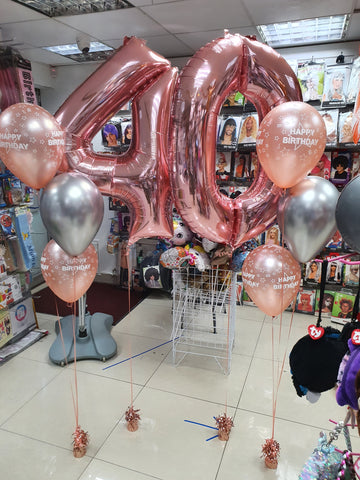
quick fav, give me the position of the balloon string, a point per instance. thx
(273, 376)
(129, 343)
(230, 298)
(64, 351)
(76, 403)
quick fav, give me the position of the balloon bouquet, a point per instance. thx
(172, 160)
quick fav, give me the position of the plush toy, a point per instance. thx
(200, 259)
(175, 257)
(347, 393)
(208, 245)
(182, 234)
(315, 363)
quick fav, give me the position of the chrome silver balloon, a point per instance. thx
(72, 209)
(306, 216)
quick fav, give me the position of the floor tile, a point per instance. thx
(166, 446)
(50, 416)
(258, 397)
(247, 333)
(25, 458)
(242, 456)
(107, 471)
(21, 379)
(153, 321)
(122, 366)
(201, 377)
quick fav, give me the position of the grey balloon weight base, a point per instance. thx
(93, 340)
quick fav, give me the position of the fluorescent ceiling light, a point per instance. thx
(303, 32)
(58, 8)
(98, 51)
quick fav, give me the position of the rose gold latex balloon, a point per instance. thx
(32, 144)
(140, 176)
(68, 277)
(290, 142)
(231, 63)
(271, 277)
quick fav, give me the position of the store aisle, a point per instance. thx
(37, 415)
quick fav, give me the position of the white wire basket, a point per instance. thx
(204, 314)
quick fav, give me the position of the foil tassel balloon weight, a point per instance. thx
(271, 453)
(80, 442)
(132, 418)
(224, 425)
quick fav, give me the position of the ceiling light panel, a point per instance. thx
(304, 32)
(56, 8)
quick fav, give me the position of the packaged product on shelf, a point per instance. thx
(327, 304)
(335, 243)
(272, 236)
(336, 82)
(239, 290)
(246, 300)
(355, 170)
(340, 168)
(5, 327)
(351, 274)
(228, 132)
(22, 316)
(331, 118)
(312, 273)
(311, 79)
(13, 284)
(353, 87)
(323, 167)
(13, 191)
(112, 245)
(241, 164)
(254, 165)
(334, 272)
(223, 166)
(305, 301)
(249, 129)
(343, 307)
(235, 99)
(345, 128)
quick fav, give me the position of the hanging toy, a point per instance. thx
(80, 442)
(132, 418)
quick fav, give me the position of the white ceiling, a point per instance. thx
(175, 28)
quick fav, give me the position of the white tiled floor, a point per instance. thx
(37, 416)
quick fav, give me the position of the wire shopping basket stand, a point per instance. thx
(204, 314)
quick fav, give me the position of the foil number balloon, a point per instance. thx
(141, 176)
(227, 64)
